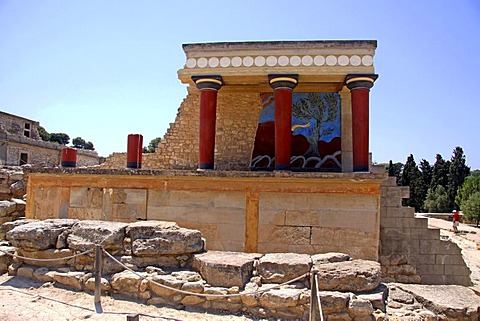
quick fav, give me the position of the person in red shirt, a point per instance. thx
(456, 220)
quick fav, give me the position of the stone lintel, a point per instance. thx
(244, 64)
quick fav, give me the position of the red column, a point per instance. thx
(134, 151)
(283, 86)
(359, 86)
(69, 157)
(208, 86)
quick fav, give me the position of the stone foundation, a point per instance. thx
(169, 268)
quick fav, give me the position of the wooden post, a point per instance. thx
(98, 272)
(312, 297)
(133, 317)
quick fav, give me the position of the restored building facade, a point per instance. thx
(269, 152)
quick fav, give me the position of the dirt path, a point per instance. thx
(25, 300)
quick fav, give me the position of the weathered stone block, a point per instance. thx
(126, 281)
(151, 238)
(225, 268)
(280, 298)
(70, 279)
(334, 302)
(354, 276)
(282, 267)
(331, 257)
(85, 234)
(38, 235)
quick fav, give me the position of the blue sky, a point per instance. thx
(104, 69)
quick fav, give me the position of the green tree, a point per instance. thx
(469, 187)
(440, 172)
(457, 173)
(426, 171)
(475, 172)
(44, 135)
(437, 200)
(412, 178)
(395, 169)
(152, 145)
(79, 142)
(61, 138)
(89, 146)
(471, 207)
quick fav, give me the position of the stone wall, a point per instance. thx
(410, 251)
(236, 211)
(43, 153)
(161, 264)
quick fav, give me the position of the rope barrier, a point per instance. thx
(47, 260)
(204, 294)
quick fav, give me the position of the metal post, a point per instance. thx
(312, 297)
(98, 273)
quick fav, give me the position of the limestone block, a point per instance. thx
(166, 280)
(334, 302)
(280, 298)
(225, 268)
(38, 235)
(230, 200)
(129, 212)
(457, 269)
(85, 234)
(271, 217)
(104, 284)
(190, 300)
(194, 287)
(126, 281)
(287, 201)
(430, 269)
(231, 232)
(165, 261)
(70, 279)
(322, 236)
(360, 308)
(20, 204)
(43, 274)
(167, 213)
(448, 259)
(439, 247)
(287, 235)
(377, 297)
(5, 227)
(163, 238)
(354, 276)
(330, 257)
(282, 267)
(453, 301)
(25, 271)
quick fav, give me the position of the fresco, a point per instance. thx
(316, 133)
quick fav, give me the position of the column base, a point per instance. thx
(134, 165)
(360, 168)
(69, 164)
(282, 167)
(205, 166)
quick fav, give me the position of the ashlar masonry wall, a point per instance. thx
(411, 252)
(235, 211)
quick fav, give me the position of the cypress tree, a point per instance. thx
(411, 177)
(458, 171)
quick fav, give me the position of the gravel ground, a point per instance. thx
(25, 300)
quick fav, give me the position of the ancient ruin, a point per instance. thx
(269, 153)
(20, 144)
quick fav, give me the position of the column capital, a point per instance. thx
(208, 82)
(283, 81)
(360, 81)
